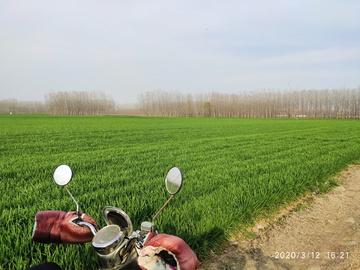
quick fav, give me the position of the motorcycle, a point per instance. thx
(117, 246)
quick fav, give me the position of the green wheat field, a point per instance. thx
(235, 171)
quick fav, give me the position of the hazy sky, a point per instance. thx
(124, 48)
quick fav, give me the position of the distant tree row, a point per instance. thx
(335, 103)
(21, 107)
(62, 103)
(79, 103)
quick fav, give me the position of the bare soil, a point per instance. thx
(320, 232)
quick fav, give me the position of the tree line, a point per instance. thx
(79, 103)
(63, 103)
(21, 107)
(335, 103)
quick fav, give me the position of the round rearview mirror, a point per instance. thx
(62, 175)
(174, 180)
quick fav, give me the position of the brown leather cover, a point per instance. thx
(184, 255)
(57, 227)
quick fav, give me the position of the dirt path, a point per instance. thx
(324, 236)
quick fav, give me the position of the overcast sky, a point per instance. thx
(124, 48)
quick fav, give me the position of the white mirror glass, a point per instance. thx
(173, 180)
(62, 175)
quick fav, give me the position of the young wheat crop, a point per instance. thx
(235, 170)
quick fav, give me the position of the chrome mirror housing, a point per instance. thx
(174, 180)
(62, 175)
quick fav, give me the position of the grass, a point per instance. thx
(236, 170)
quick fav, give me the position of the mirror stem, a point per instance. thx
(90, 226)
(77, 206)
(152, 223)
